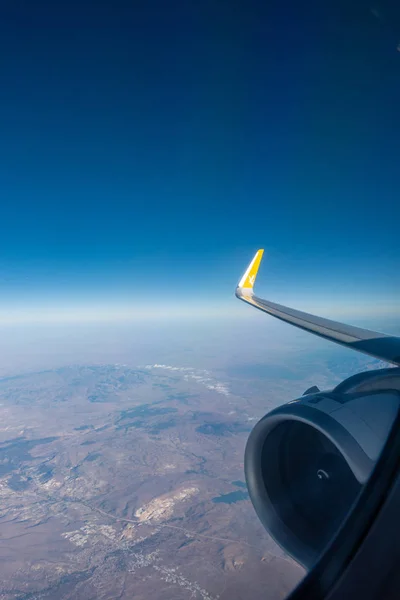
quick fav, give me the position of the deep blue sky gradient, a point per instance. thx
(156, 145)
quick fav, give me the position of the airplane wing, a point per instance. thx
(379, 345)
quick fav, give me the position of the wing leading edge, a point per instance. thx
(379, 345)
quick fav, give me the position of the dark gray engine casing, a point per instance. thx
(306, 461)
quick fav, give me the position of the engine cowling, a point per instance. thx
(307, 461)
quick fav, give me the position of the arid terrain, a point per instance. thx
(126, 480)
(119, 482)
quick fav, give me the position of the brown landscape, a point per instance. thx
(121, 478)
(122, 482)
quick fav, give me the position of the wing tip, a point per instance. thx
(249, 277)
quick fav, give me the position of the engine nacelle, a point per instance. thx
(306, 461)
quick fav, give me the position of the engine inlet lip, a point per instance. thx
(360, 464)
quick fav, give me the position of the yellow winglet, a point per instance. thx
(249, 278)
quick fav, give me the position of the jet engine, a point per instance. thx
(306, 462)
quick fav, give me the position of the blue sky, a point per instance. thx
(154, 146)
